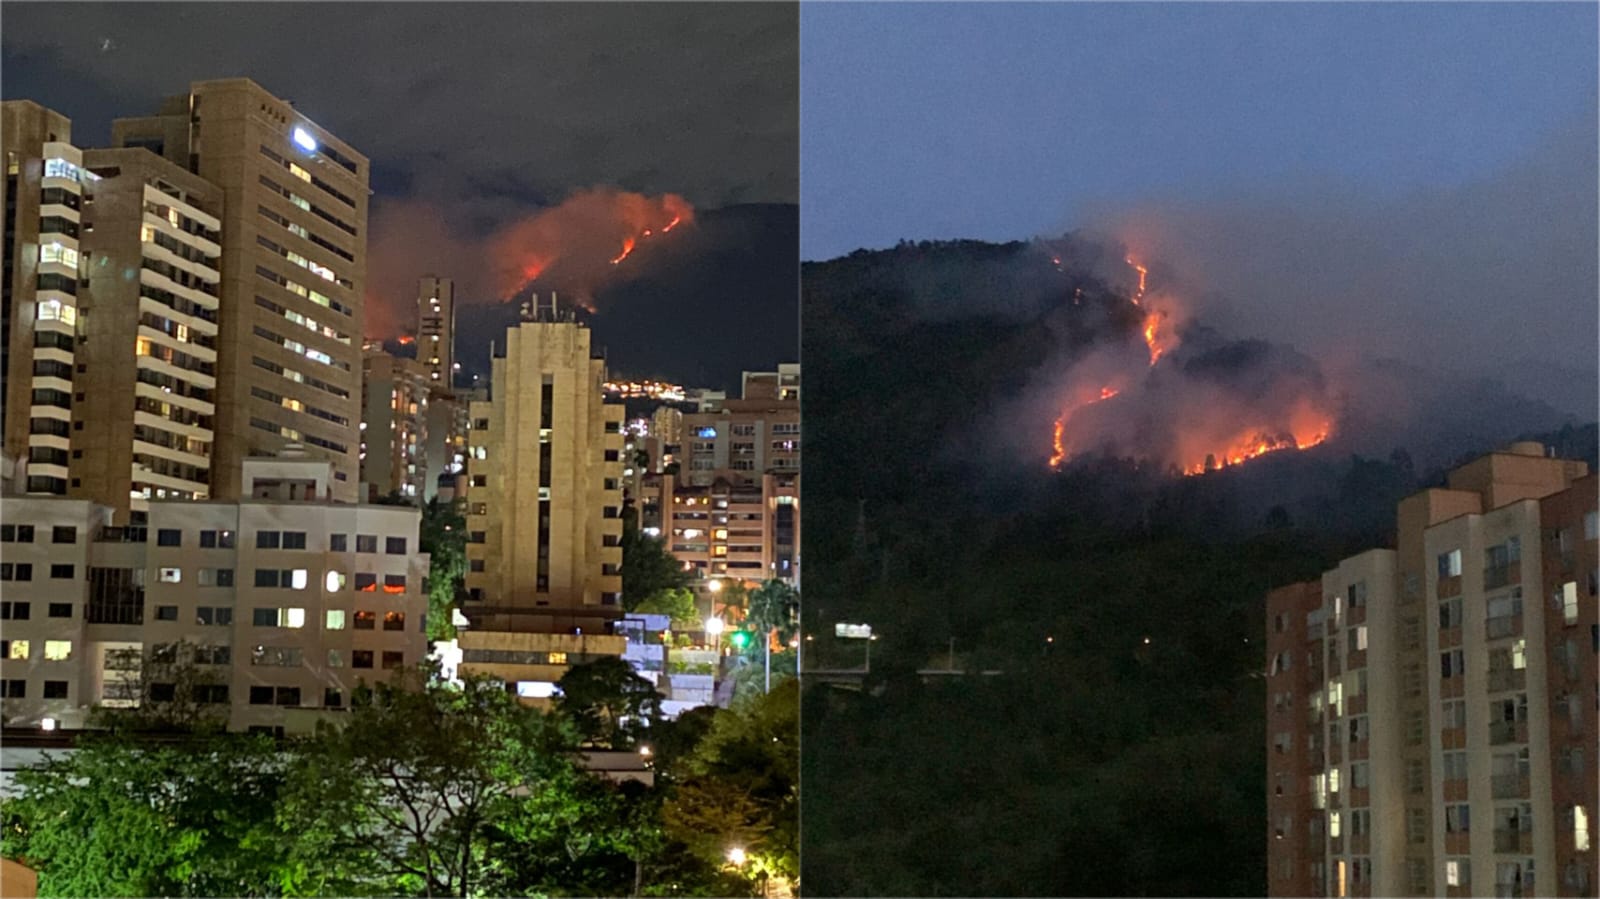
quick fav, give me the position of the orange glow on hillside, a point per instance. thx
(627, 250)
(1252, 445)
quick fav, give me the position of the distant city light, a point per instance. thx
(305, 140)
(656, 390)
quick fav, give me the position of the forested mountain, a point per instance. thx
(1120, 750)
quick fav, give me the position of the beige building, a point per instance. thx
(144, 413)
(1435, 733)
(436, 329)
(276, 607)
(733, 508)
(44, 198)
(544, 501)
(294, 235)
(396, 403)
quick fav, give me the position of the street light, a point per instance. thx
(736, 855)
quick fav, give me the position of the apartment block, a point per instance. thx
(1457, 696)
(273, 610)
(144, 411)
(1296, 835)
(293, 275)
(44, 196)
(436, 328)
(544, 501)
(396, 399)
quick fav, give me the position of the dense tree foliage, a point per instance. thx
(444, 538)
(608, 704)
(676, 603)
(647, 567)
(423, 789)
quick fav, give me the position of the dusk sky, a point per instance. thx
(1341, 172)
(474, 115)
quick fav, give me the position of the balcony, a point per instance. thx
(1503, 732)
(1513, 841)
(1507, 679)
(1509, 786)
(1504, 626)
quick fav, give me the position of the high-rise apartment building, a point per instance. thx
(436, 329)
(44, 196)
(273, 609)
(396, 398)
(544, 502)
(1441, 749)
(144, 410)
(294, 271)
(544, 494)
(733, 508)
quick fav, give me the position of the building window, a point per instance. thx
(16, 533)
(166, 613)
(366, 543)
(55, 689)
(63, 571)
(366, 620)
(57, 650)
(361, 658)
(61, 610)
(61, 534)
(213, 615)
(395, 546)
(394, 583)
(269, 539)
(366, 582)
(335, 619)
(19, 571)
(332, 698)
(261, 696)
(294, 539)
(1450, 564)
(394, 621)
(16, 649)
(169, 537)
(170, 575)
(261, 617)
(15, 611)
(339, 543)
(393, 660)
(14, 689)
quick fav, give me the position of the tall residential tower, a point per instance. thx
(294, 272)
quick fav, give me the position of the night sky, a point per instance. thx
(1415, 181)
(476, 115)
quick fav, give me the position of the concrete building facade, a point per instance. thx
(544, 500)
(144, 415)
(44, 196)
(1451, 743)
(272, 610)
(396, 401)
(436, 329)
(294, 271)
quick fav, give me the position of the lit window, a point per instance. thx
(171, 575)
(19, 650)
(57, 650)
(1519, 654)
(55, 252)
(298, 579)
(334, 582)
(1333, 825)
(1452, 873)
(299, 172)
(291, 618)
(1580, 828)
(335, 619)
(558, 658)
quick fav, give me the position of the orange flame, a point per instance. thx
(672, 224)
(1060, 454)
(407, 340)
(1259, 444)
(627, 250)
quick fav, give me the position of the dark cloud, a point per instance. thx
(481, 101)
(476, 116)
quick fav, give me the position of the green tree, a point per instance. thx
(118, 817)
(647, 567)
(444, 538)
(404, 795)
(740, 786)
(608, 703)
(678, 603)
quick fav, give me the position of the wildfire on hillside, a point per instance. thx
(1193, 414)
(578, 245)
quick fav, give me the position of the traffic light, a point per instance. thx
(739, 639)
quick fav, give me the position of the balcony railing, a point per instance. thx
(1509, 786)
